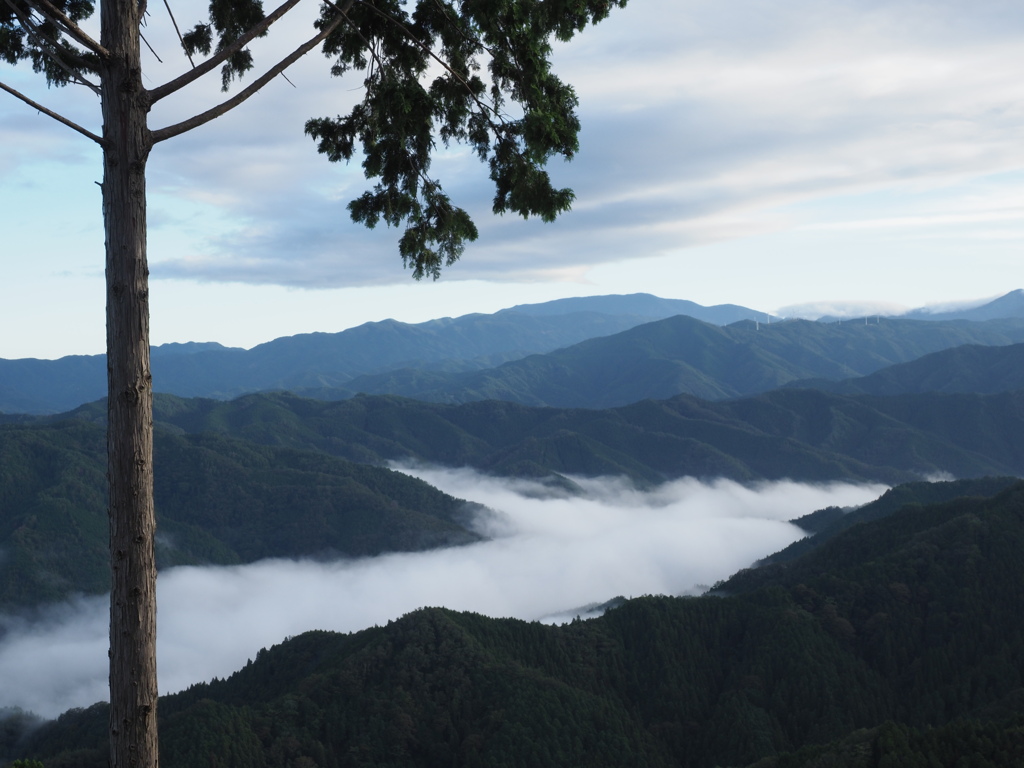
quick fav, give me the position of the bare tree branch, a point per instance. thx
(221, 56)
(54, 115)
(49, 47)
(155, 54)
(178, 31)
(47, 8)
(210, 114)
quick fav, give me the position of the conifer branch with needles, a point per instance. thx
(50, 48)
(46, 8)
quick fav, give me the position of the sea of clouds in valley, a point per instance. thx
(546, 559)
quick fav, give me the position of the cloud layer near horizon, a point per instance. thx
(702, 123)
(760, 153)
(548, 559)
(710, 132)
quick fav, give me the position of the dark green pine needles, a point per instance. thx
(513, 111)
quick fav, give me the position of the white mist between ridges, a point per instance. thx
(546, 558)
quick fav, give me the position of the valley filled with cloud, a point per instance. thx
(547, 558)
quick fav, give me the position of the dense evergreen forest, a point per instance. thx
(798, 434)
(219, 501)
(276, 475)
(898, 641)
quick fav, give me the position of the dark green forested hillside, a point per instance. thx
(898, 638)
(218, 501)
(798, 434)
(266, 475)
(826, 524)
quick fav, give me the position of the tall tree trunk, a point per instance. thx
(133, 686)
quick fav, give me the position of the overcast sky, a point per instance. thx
(762, 153)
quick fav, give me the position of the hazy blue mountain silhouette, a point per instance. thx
(560, 353)
(682, 355)
(329, 360)
(970, 368)
(1008, 305)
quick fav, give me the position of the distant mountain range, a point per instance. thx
(593, 352)
(318, 360)
(681, 355)
(969, 368)
(1010, 305)
(231, 470)
(892, 634)
(896, 642)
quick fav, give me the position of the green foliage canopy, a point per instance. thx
(476, 72)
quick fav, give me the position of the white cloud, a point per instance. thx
(692, 114)
(548, 557)
(717, 137)
(843, 309)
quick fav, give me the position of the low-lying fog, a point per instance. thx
(546, 559)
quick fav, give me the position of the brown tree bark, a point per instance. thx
(127, 141)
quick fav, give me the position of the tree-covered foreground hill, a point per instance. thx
(219, 501)
(898, 642)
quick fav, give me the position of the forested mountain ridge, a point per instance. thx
(900, 625)
(306, 361)
(682, 355)
(230, 471)
(969, 368)
(219, 501)
(802, 435)
(314, 361)
(826, 524)
(544, 356)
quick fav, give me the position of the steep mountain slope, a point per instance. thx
(910, 622)
(970, 368)
(681, 355)
(826, 524)
(799, 434)
(218, 501)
